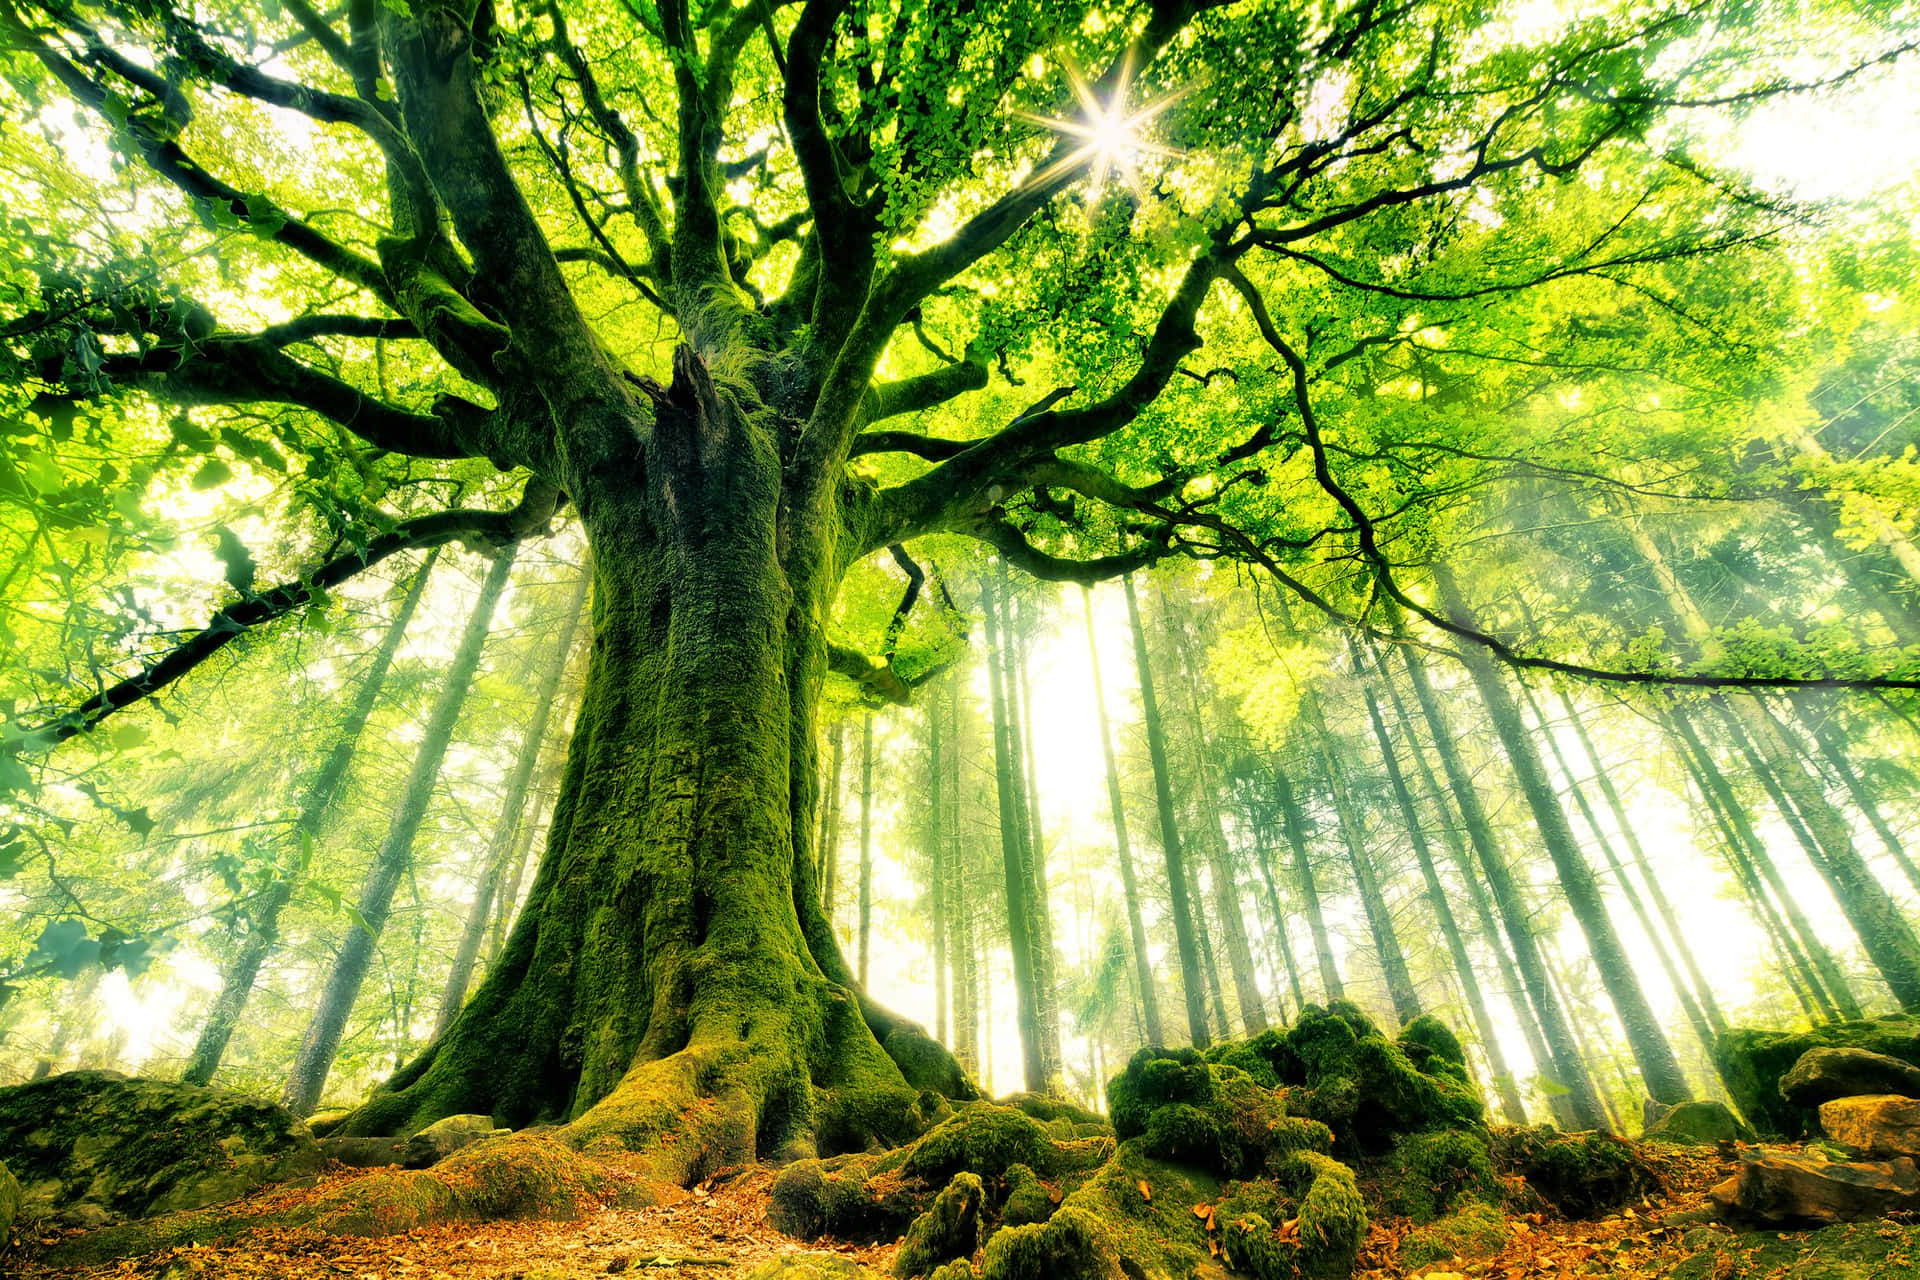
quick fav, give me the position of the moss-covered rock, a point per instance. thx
(949, 1229)
(1752, 1063)
(1698, 1124)
(1071, 1245)
(1430, 1173)
(1027, 1199)
(1310, 1227)
(1432, 1047)
(1475, 1230)
(1054, 1110)
(848, 1197)
(1156, 1078)
(134, 1147)
(1583, 1175)
(984, 1139)
(812, 1266)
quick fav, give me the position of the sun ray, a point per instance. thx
(1110, 133)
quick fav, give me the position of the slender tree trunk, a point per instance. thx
(314, 1059)
(1565, 1060)
(1116, 803)
(1226, 889)
(1823, 833)
(1658, 1067)
(237, 984)
(1588, 1056)
(1282, 945)
(1209, 958)
(1386, 939)
(1510, 1104)
(1703, 989)
(1295, 823)
(512, 814)
(1834, 749)
(936, 838)
(959, 912)
(866, 843)
(1688, 1005)
(1014, 848)
(830, 820)
(1046, 982)
(1744, 844)
(1191, 980)
(509, 896)
(1827, 835)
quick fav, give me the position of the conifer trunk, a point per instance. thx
(1191, 980)
(1658, 1067)
(314, 1060)
(1744, 844)
(236, 985)
(1703, 989)
(1510, 1104)
(936, 861)
(1386, 938)
(1123, 848)
(866, 844)
(1014, 848)
(1696, 1018)
(1046, 982)
(1565, 1060)
(1226, 889)
(513, 807)
(1296, 827)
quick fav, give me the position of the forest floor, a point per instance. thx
(720, 1230)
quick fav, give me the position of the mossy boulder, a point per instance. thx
(1752, 1062)
(1071, 1245)
(847, 1197)
(1430, 1173)
(1027, 1199)
(1334, 1065)
(1877, 1250)
(949, 1229)
(445, 1136)
(984, 1139)
(1473, 1231)
(125, 1148)
(1694, 1124)
(1318, 1241)
(1053, 1111)
(811, 1266)
(1188, 1110)
(1583, 1175)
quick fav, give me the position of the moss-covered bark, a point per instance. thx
(672, 985)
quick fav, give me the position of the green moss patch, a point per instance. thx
(1752, 1062)
(948, 1230)
(1583, 1175)
(1474, 1230)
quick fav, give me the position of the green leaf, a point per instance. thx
(212, 474)
(42, 471)
(13, 857)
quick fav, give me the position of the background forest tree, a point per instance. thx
(1499, 483)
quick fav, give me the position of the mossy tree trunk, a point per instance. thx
(1185, 936)
(673, 984)
(1123, 847)
(263, 934)
(314, 1060)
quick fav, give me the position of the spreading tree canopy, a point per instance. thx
(756, 291)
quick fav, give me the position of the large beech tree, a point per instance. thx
(752, 290)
